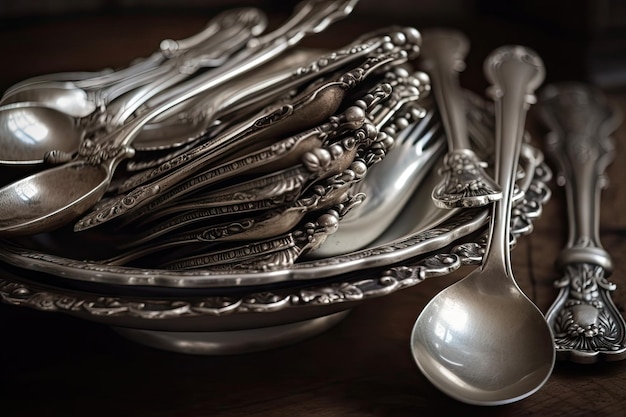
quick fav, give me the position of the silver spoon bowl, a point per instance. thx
(29, 130)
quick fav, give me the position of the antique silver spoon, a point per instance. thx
(465, 182)
(586, 324)
(481, 340)
(269, 84)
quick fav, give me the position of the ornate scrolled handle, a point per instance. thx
(586, 324)
(465, 182)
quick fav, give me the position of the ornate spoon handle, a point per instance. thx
(465, 183)
(586, 324)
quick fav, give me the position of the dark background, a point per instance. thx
(578, 39)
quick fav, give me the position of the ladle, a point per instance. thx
(51, 198)
(481, 340)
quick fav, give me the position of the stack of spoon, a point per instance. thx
(256, 153)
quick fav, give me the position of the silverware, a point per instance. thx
(415, 233)
(273, 158)
(198, 118)
(357, 56)
(481, 340)
(279, 251)
(388, 186)
(273, 82)
(303, 112)
(34, 204)
(81, 97)
(200, 322)
(274, 201)
(239, 30)
(323, 177)
(586, 324)
(465, 182)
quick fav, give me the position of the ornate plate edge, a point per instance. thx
(383, 281)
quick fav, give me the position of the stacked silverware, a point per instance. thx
(264, 147)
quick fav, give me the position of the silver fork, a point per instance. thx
(389, 186)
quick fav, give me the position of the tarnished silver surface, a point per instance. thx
(465, 182)
(301, 113)
(481, 340)
(586, 324)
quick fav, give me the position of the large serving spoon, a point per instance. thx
(51, 198)
(465, 182)
(481, 340)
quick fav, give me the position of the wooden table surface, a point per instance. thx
(56, 365)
